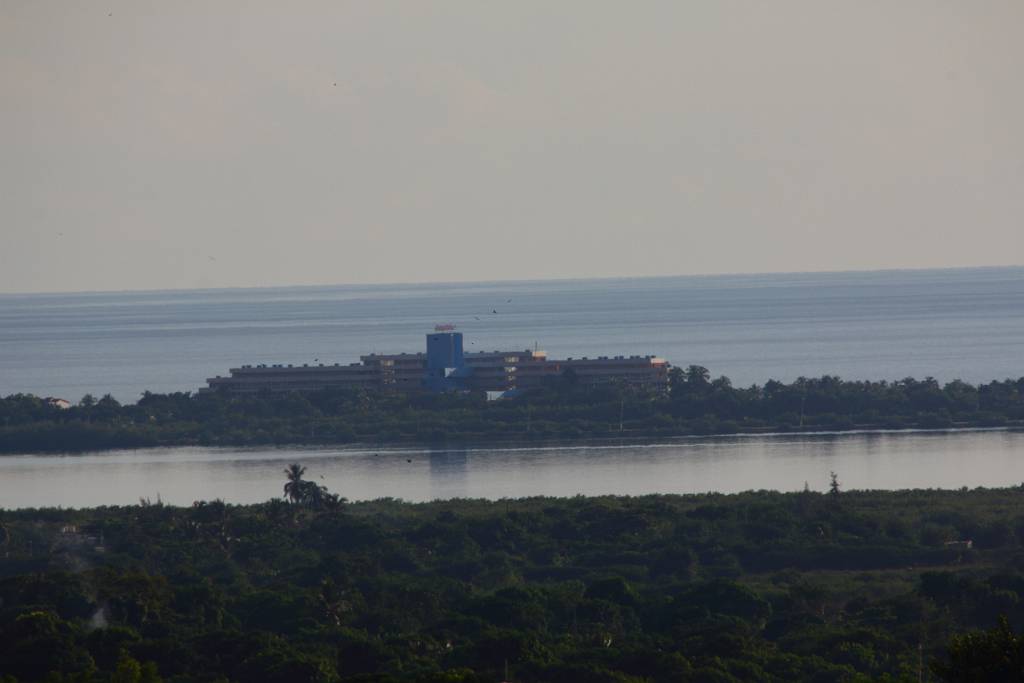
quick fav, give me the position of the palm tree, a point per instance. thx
(697, 375)
(294, 489)
(333, 502)
(308, 493)
(313, 494)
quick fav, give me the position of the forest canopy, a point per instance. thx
(759, 586)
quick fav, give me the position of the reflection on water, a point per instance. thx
(727, 464)
(448, 470)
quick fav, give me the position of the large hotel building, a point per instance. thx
(445, 367)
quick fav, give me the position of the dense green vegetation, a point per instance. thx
(695, 404)
(760, 586)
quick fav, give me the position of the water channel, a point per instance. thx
(877, 460)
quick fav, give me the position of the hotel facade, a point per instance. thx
(445, 366)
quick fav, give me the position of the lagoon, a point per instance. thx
(865, 460)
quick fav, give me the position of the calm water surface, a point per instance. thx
(966, 324)
(725, 464)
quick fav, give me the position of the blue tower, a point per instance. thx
(446, 366)
(444, 350)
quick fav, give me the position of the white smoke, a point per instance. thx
(98, 619)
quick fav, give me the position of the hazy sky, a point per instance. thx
(205, 144)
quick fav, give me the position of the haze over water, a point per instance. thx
(965, 323)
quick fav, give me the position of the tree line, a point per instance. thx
(695, 403)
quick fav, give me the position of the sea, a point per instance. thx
(949, 324)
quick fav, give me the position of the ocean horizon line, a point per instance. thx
(515, 281)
